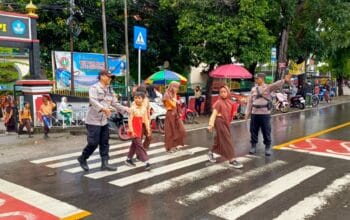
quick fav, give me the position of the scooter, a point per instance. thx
(280, 102)
(187, 115)
(157, 117)
(240, 104)
(297, 101)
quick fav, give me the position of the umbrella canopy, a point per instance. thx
(164, 77)
(231, 71)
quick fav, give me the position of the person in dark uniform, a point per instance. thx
(102, 100)
(259, 108)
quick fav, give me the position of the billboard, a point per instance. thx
(14, 27)
(86, 67)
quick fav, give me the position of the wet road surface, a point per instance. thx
(308, 179)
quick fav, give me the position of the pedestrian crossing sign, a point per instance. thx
(140, 38)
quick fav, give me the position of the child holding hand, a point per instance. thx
(138, 118)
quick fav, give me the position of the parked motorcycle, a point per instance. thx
(157, 117)
(118, 124)
(240, 104)
(187, 115)
(280, 102)
(297, 101)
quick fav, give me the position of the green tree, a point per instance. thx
(215, 31)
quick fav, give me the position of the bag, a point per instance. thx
(269, 104)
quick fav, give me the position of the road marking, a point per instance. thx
(76, 154)
(309, 205)
(187, 178)
(158, 171)
(102, 174)
(93, 157)
(111, 161)
(48, 204)
(257, 197)
(209, 191)
(318, 153)
(319, 133)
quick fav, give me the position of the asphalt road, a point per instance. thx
(308, 177)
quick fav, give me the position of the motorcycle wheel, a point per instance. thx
(301, 105)
(160, 126)
(123, 133)
(315, 101)
(284, 109)
(190, 117)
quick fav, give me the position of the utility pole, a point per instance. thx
(71, 9)
(104, 35)
(127, 73)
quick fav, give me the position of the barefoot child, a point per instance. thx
(138, 118)
(220, 119)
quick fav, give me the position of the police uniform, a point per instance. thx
(96, 121)
(260, 111)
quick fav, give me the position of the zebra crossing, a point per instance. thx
(188, 167)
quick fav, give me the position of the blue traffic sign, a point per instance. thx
(140, 38)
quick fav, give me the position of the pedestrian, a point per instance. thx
(147, 106)
(138, 121)
(9, 117)
(198, 100)
(220, 119)
(65, 111)
(327, 93)
(102, 99)
(25, 120)
(173, 127)
(259, 108)
(46, 110)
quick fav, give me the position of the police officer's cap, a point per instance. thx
(260, 75)
(107, 73)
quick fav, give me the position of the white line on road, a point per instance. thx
(75, 154)
(187, 178)
(101, 174)
(93, 157)
(209, 191)
(111, 161)
(38, 200)
(311, 204)
(158, 171)
(257, 197)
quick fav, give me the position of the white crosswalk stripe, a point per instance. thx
(75, 154)
(187, 178)
(101, 174)
(255, 198)
(227, 183)
(309, 205)
(158, 171)
(112, 153)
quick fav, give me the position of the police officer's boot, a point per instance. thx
(252, 149)
(268, 150)
(83, 164)
(106, 166)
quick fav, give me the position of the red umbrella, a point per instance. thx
(231, 71)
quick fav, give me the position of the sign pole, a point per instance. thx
(139, 67)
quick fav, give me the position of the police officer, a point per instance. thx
(259, 108)
(102, 100)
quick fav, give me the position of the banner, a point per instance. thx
(86, 67)
(297, 69)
